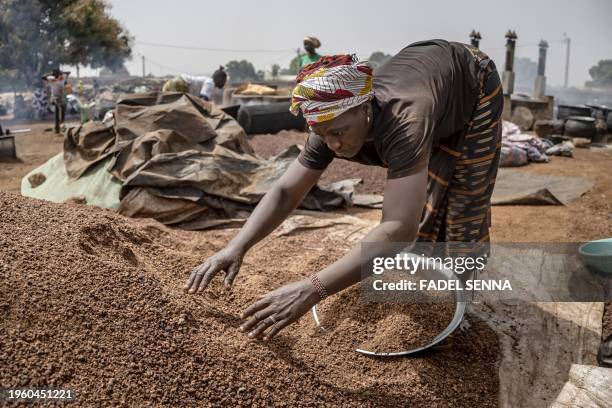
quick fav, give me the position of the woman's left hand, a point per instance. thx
(279, 308)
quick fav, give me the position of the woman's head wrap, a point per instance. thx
(313, 40)
(330, 87)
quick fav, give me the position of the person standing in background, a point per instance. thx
(311, 56)
(56, 82)
(96, 87)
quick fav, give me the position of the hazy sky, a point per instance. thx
(362, 27)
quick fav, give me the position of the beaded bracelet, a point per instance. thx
(316, 282)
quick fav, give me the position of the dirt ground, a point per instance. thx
(33, 149)
(373, 177)
(589, 217)
(93, 301)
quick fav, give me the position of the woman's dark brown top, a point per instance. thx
(423, 94)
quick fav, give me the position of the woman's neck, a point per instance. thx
(375, 110)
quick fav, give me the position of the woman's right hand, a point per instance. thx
(228, 259)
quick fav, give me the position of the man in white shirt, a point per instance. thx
(202, 86)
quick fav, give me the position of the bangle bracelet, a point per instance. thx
(316, 282)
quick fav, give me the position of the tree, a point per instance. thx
(601, 74)
(242, 71)
(97, 39)
(39, 35)
(275, 70)
(10, 81)
(378, 58)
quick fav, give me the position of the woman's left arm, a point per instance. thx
(404, 199)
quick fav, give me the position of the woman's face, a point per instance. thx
(309, 47)
(346, 134)
(220, 81)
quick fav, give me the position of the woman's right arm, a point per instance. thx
(283, 197)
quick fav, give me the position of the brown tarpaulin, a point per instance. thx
(220, 180)
(188, 116)
(86, 145)
(150, 124)
(184, 162)
(519, 187)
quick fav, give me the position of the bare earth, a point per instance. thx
(112, 287)
(33, 149)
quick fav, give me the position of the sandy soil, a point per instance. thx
(587, 218)
(93, 301)
(383, 327)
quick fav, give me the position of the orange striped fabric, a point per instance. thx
(461, 177)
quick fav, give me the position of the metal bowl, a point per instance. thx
(460, 308)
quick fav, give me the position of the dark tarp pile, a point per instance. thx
(183, 162)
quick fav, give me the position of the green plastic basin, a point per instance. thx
(598, 255)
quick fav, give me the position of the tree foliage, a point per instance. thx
(10, 80)
(601, 74)
(39, 35)
(241, 71)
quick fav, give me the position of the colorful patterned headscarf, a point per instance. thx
(330, 87)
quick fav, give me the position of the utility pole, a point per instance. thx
(567, 56)
(143, 66)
